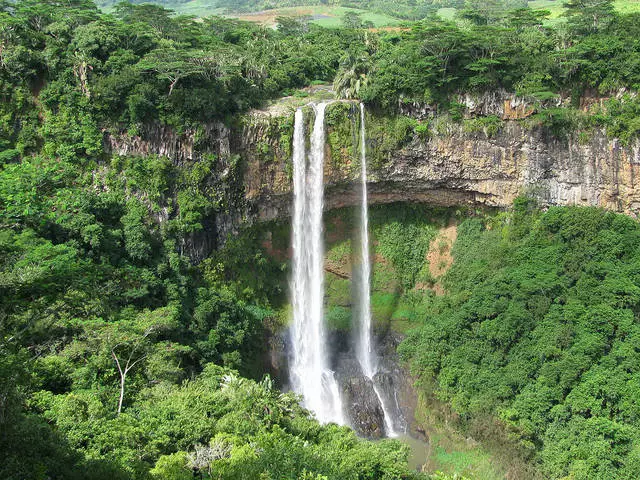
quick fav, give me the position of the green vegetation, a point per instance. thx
(400, 236)
(125, 354)
(538, 328)
(516, 52)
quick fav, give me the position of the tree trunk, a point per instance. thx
(122, 379)
(172, 84)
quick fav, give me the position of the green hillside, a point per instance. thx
(379, 13)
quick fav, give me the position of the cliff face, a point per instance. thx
(459, 167)
(448, 166)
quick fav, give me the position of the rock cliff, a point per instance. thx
(461, 167)
(450, 165)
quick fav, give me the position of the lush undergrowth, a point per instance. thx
(122, 356)
(528, 342)
(539, 328)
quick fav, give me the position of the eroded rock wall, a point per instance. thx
(472, 168)
(446, 167)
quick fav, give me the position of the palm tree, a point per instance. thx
(352, 74)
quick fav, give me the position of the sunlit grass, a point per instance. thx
(627, 6)
(325, 16)
(556, 8)
(448, 13)
(199, 8)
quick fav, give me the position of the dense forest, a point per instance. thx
(121, 357)
(539, 328)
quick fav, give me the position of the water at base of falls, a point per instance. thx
(310, 373)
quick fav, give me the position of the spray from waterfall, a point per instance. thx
(310, 373)
(364, 348)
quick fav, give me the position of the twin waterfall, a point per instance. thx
(310, 370)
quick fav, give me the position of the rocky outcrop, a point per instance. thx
(449, 166)
(184, 148)
(462, 168)
(362, 406)
(162, 140)
(500, 103)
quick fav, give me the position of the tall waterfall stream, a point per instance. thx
(310, 372)
(365, 348)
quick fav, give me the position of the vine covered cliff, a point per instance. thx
(495, 152)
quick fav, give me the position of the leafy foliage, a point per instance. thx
(538, 328)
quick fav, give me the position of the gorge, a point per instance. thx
(452, 165)
(304, 251)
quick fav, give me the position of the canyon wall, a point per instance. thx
(460, 167)
(447, 165)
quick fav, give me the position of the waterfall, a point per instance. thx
(364, 347)
(310, 373)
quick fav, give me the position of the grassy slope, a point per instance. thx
(556, 8)
(332, 16)
(323, 15)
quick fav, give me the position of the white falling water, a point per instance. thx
(364, 348)
(310, 373)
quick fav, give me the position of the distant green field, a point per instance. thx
(628, 6)
(199, 8)
(554, 6)
(328, 16)
(447, 13)
(322, 15)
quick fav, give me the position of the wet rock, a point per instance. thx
(390, 392)
(360, 402)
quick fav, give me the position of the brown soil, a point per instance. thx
(268, 17)
(439, 255)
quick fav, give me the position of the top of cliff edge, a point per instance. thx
(286, 105)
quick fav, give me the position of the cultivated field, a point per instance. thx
(329, 16)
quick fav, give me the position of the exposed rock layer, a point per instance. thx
(465, 168)
(446, 169)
